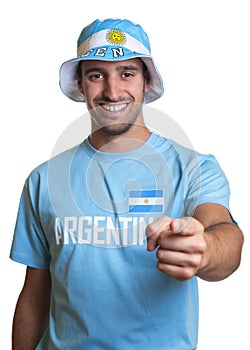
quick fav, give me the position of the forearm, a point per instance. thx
(29, 324)
(223, 253)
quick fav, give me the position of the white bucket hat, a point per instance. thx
(111, 40)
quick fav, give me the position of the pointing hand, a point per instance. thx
(180, 245)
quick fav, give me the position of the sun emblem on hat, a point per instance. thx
(115, 36)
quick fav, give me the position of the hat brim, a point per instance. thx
(69, 80)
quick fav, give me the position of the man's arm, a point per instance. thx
(208, 244)
(224, 241)
(32, 310)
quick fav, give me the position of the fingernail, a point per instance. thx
(177, 225)
(151, 244)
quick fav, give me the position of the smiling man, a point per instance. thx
(116, 231)
(114, 94)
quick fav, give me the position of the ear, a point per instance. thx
(79, 78)
(147, 80)
(79, 84)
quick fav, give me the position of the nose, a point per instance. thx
(112, 89)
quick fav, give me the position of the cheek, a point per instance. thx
(91, 91)
(88, 94)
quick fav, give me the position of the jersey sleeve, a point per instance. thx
(29, 245)
(207, 183)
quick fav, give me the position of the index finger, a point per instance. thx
(185, 226)
(153, 231)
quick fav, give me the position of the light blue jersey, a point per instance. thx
(83, 215)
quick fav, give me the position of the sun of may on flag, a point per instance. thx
(146, 201)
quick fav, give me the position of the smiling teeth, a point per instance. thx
(116, 108)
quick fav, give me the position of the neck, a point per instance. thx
(133, 138)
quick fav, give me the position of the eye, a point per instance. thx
(127, 75)
(95, 76)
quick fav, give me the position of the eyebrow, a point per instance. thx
(97, 68)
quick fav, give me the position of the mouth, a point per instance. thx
(114, 107)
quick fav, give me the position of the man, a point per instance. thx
(115, 231)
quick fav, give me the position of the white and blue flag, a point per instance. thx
(146, 201)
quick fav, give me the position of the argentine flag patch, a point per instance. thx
(146, 201)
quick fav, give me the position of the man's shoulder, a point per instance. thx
(56, 161)
(183, 152)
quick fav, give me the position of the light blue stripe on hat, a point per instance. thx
(126, 26)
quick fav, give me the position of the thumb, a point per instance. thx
(186, 226)
(178, 225)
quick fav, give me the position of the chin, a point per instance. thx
(117, 129)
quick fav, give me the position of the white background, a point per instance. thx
(201, 49)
